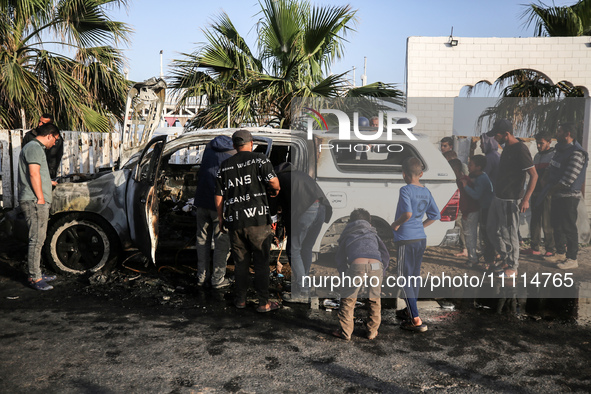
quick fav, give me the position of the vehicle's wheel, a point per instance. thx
(79, 244)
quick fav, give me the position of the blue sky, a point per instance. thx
(175, 26)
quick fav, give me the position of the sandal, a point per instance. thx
(410, 326)
(268, 307)
(339, 334)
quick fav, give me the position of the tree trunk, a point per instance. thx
(23, 119)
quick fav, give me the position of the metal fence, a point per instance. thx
(84, 153)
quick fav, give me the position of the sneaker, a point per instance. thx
(557, 258)
(40, 285)
(287, 297)
(531, 252)
(223, 284)
(48, 278)
(568, 264)
(410, 326)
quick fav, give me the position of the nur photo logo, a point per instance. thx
(394, 121)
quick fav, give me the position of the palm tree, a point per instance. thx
(297, 43)
(564, 21)
(528, 97)
(57, 56)
(534, 103)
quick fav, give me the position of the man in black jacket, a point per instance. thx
(565, 177)
(53, 154)
(304, 208)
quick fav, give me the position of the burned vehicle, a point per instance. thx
(94, 218)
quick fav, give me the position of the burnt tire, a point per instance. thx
(78, 244)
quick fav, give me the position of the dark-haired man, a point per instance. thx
(53, 154)
(34, 198)
(447, 144)
(540, 210)
(510, 199)
(305, 208)
(566, 176)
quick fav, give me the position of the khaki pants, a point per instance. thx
(368, 287)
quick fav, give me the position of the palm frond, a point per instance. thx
(296, 45)
(564, 21)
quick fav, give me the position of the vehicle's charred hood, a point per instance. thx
(104, 195)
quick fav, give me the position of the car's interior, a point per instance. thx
(179, 172)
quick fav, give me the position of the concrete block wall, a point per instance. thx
(436, 70)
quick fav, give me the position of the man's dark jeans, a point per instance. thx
(540, 219)
(252, 244)
(564, 224)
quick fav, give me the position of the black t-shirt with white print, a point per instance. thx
(242, 181)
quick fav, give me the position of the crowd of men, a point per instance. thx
(550, 185)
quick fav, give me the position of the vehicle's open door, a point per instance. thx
(142, 198)
(261, 148)
(143, 111)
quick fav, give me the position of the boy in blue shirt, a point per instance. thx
(414, 202)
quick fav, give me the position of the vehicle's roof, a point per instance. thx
(318, 133)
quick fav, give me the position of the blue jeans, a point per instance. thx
(302, 237)
(37, 217)
(410, 258)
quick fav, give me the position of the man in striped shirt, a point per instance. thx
(566, 176)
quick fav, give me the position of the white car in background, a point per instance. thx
(363, 174)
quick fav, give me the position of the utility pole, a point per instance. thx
(364, 76)
(161, 73)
